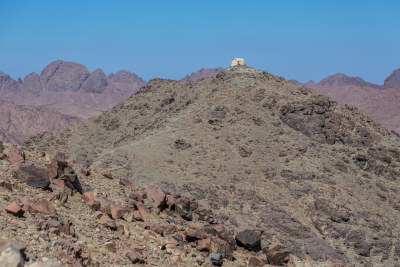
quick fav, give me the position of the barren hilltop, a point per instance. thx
(300, 170)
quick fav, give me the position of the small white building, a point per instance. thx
(238, 61)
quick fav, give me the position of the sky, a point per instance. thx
(300, 40)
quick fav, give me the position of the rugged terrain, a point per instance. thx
(53, 214)
(316, 176)
(71, 89)
(380, 102)
(18, 123)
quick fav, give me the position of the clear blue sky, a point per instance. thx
(296, 39)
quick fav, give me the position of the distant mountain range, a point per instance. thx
(71, 89)
(380, 102)
(202, 73)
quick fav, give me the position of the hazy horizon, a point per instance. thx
(303, 41)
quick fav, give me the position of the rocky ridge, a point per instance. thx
(315, 176)
(71, 89)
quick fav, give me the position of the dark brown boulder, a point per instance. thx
(249, 237)
(5, 184)
(277, 254)
(32, 175)
(72, 182)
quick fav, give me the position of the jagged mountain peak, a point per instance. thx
(393, 81)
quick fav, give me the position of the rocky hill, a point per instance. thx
(202, 73)
(315, 176)
(18, 123)
(380, 102)
(71, 89)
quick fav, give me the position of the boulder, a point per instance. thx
(11, 254)
(87, 196)
(216, 259)
(15, 209)
(43, 206)
(157, 196)
(107, 221)
(277, 254)
(204, 245)
(72, 182)
(32, 175)
(135, 257)
(254, 261)
(249, 237)
(193, 235)
(117, 211)
(16, 156)
(5, 184)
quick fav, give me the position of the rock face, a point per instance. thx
(376, 101)
(18, 123)
(71, 89)
(202, 73)
(315, 176)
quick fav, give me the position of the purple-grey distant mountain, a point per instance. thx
(202, 73)
(380, 102)
(71, 89)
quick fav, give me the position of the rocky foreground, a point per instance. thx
(55, 213)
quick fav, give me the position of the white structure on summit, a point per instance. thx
(238, 61)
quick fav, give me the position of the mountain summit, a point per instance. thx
(393, 81)
(314, 175)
